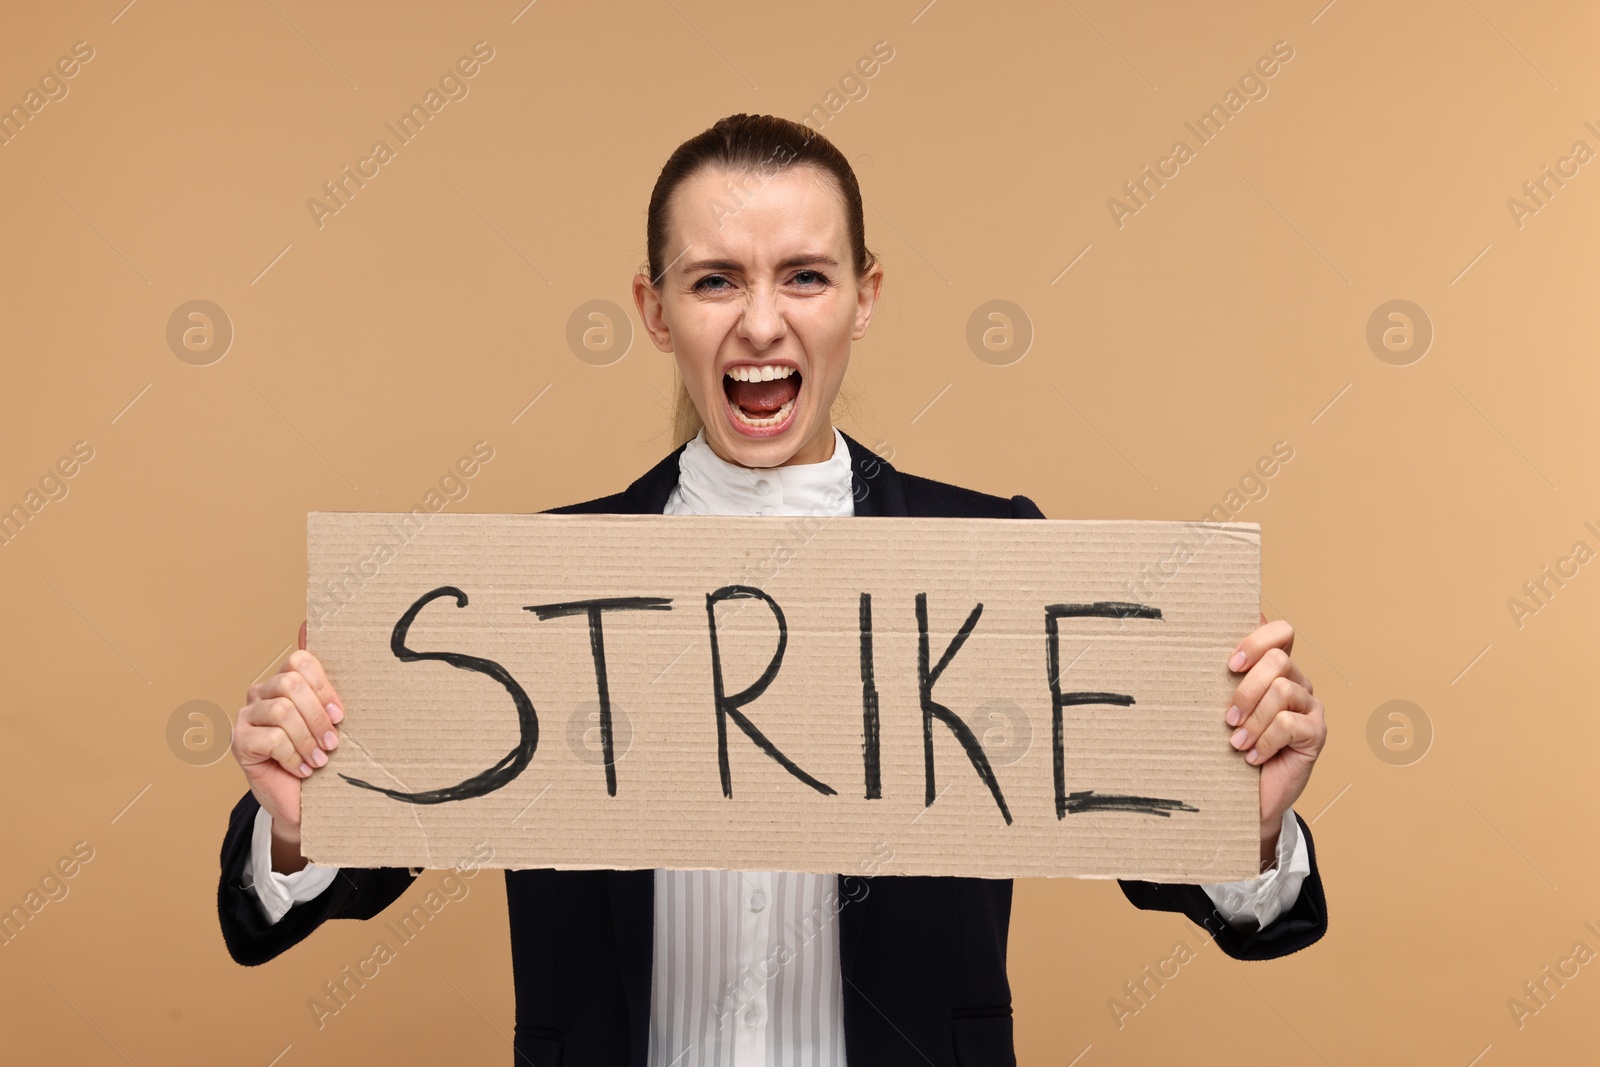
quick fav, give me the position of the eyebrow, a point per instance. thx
(804, 259)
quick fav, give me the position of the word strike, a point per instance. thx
(730, 706)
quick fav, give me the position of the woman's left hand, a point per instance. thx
(1279, 723)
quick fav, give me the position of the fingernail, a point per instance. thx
(305, 770)
(1252, 756)
(1237, 661)
(1233, 715)
(330, 740)
(318, 757)
(335, 713)
(1237, 740)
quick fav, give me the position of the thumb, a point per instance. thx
(302, 635)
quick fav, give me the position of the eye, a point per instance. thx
(700, 286)
(818, 278)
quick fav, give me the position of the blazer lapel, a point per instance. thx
(649, 493)
(633, 923)
(876, 485)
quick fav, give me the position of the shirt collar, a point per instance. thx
(710, 485)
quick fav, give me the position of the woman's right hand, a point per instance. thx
(283, 735)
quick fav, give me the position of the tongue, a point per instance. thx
(762, 399)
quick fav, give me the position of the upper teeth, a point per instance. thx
(764, 373)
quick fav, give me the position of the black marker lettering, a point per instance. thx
(931, 710)
(1086, 800)
(869, 704)
(728, 706)
(597, 648)
(513, 763)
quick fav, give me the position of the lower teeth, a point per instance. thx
(771, 420)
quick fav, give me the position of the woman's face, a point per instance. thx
(759, 305)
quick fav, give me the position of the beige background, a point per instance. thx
(1228, 314)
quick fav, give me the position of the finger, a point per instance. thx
(1278, 633)
(282, 712)
(1281, 693)
(297, 688)
(1300, 728)
(310, 668)
(254, 744)
(1274, 663)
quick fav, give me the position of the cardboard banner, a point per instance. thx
(857, 695)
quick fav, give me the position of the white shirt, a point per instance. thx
(746, 963)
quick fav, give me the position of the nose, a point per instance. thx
(762, 322)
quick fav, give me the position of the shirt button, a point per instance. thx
(750, 1017)
(768, 509)
(758, 901)
(763, 487)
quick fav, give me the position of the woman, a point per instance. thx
(758, 281)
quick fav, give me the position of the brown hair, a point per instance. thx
(747, 143)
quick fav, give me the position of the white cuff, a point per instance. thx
(279, 892)
(1257, 902)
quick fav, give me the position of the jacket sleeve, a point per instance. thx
(1292, 931)
(357, 893)
(1296, 928)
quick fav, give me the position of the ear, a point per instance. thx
(648, 303)
(868, 290)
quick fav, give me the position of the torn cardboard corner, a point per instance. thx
(858, 695)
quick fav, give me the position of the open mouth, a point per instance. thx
(761, 397)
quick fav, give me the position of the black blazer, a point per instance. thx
(923, 959)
